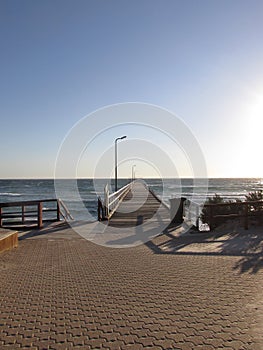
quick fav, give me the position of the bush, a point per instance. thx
(231, 208)
(254, 197)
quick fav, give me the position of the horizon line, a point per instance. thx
(126, 178)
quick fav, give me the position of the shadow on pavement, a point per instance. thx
(46, 229)
(248, 245)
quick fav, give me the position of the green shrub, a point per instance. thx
(255, 197)
(231, 208)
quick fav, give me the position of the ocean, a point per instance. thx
(89, 190)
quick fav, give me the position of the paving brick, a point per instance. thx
(204, 347)
(11, 346)
(9, 339)
(164, 343)
(115, 345)
(134, 346)
(149, 341)
(45, 344)
(177, 337)
(62, 346)
(76, 294)
(95, 343)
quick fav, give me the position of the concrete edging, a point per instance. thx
(8, 240)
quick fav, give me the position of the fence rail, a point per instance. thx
(243, 210)
(31, 212)
(111, 201)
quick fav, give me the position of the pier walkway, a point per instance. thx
(60, 291)
(138, 206)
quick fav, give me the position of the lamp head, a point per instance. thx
(120, 138)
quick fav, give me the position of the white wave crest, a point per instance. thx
(10, 194)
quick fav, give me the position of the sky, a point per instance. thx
(62, 60)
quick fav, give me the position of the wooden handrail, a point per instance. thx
(111, 201)
(245, 212)
(118, 197)
(67, 214)
(26, 203)
(156, 197)
(36, 214)
(120, 190)
(232, 204)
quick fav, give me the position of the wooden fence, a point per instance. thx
(32, 212)
(243, 210)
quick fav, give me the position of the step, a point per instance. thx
(8, 239)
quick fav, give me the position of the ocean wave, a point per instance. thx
(10, 194)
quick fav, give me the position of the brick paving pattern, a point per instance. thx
(59, 291)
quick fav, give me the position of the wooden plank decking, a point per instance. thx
(137, 207)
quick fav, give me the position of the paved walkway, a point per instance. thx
(60, 291)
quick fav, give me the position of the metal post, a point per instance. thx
(116, 162)
(116, 171)
(106, 201)
(133, 172)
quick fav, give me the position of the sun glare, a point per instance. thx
(253, 137)
(255, 120)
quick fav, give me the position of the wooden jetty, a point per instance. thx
(132, 205)
(136, 203)
(138, 206)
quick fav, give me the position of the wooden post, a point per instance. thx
(23, 214)
(246, 217)
(1, 220)
(58, 210)
(100, 210)
(197, 216)
(99, 217)
(211, 218)
(40, 215)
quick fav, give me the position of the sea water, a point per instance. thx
(89, 190)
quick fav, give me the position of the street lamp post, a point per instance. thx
(133, 172)
(116, 161)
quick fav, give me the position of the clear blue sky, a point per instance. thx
(61, 60)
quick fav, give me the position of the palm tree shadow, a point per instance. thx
(252, 261)
(248, 245)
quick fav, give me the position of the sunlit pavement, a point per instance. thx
(60, 291)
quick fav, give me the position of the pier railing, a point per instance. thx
(157, 197)
(26, 213)
(109, 205)
(204, 217)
